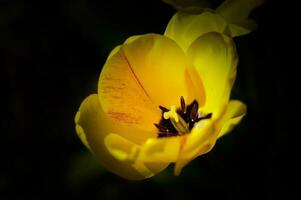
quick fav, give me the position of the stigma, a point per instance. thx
(179, 121)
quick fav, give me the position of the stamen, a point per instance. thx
(165, 135)
(194, 111)
(161, 128)
(208, 116)
(162, 135)
(175, 122)
(172, 114)
(163, 109)
(183, 106)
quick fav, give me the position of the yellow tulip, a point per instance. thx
(163, 98)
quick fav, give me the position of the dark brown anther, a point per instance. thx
(183, 106)
(163, 109)
(161, 128)
(190, 125)
(166, 134)
(208, 116)
(194, 111)
(162, 135)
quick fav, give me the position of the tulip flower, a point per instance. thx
(163, 99)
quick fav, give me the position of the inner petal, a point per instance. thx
(159, 64)
(122, 97)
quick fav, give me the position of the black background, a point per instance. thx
(51, 56)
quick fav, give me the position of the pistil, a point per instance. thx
(177, 121)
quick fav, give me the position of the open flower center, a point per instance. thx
(179, 121)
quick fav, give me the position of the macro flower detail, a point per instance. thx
(176, 122)
(161, 99)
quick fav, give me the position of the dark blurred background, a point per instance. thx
(51, 56)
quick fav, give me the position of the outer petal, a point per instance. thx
(127, 41)
(95, 125)
(237, 10)
(80, 132)
(185, 27)
(214, 58)
(236, 13)
(146, 72)
(242, 28)
(234, 113)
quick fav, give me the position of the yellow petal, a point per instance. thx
(185, 27)
(127, 41)
(80, 132)
(234, 113)
(214, 58)
(95, 125)
(242, 28)
(146, 72)
(159, 63)
(150, 158)
(236, 13)
(237, 10)
(161, 149)
(127, 153)
(154, 150)
(195, 86)
(122, 98)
